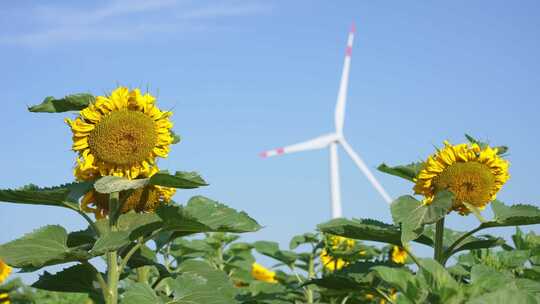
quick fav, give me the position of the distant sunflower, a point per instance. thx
(336, 243)
(4, 298)
(5, 270)
(473, 174)
(145, 199)
(261, 273)
(120, 135)
(399, 255)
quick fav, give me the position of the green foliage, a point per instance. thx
(513, 215)
(62, 196)
(408, 172)
(198, 283)
(140, 293)
(368, 230)
(79, 278)
(45, 246)
(271, 249)
(413, 215)
(182, 180)
(74, 102)
(205, 215)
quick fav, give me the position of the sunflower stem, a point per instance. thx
(311, 275)
(112, 256)
(439, 236)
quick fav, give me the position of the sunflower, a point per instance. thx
(4, 298)
(261, 273)
(120, 135)
(399, 255)
(5, 270)
(145, 199)
(335, 243)
(472, 173)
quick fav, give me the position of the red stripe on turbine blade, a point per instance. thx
(280, 150)
(353, 28)
(348, 51)
(263, 154)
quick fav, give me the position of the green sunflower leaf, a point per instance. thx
(181, 179)
(140, 293)
(205, 215)
(515, 215)
(305, 238)
(61, 196)
(408, 172)
(271, 249)
(78, 278)
(368, 230)
(199, 283)
(113, 240)
(438, 279)
(413, 215)
(44, 246)
(74, 102)
(403, 280)
(469, 243)
(110, 184)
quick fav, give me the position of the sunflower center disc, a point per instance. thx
(471, 182)
(123, 138)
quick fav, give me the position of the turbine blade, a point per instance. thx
(344, 83)
(362, 166)
(312, 144)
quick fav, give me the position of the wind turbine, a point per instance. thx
(336, 138)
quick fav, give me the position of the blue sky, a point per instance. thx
(245, 76)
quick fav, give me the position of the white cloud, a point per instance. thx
(122, 20)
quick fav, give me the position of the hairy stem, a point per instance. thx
(111, 297)
(311, 275)
(439, 236)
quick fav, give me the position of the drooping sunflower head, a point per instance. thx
(5, 271)
(399, 255)
(120, 135)
(473, 174)
(261, 273)
(145, 199)
(330, 255)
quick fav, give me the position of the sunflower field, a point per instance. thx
(141, 247)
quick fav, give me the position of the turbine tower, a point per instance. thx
(336, 138)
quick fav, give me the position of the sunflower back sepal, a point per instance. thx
(176, 137)
(408, 172)
(74, 102)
